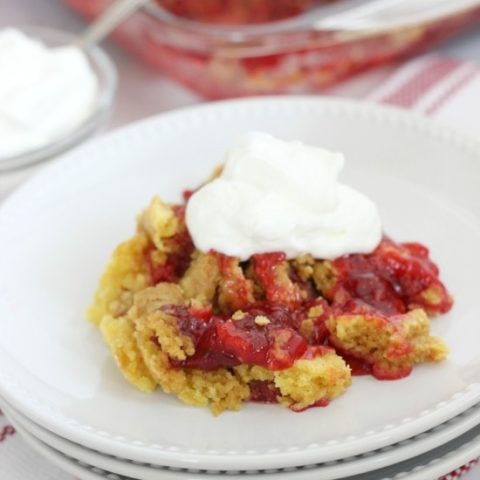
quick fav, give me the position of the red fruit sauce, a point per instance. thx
(384, 284)
(221, 341)
(391, 280)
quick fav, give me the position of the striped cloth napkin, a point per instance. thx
(444, 88)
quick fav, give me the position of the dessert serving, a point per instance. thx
(272, 282)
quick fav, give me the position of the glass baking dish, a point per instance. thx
(301, 53)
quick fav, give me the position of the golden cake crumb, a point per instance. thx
(392, 348)
(201, 279)
(119, 334)
(125, 274)
(261, 320)
(159, 221)
(310, 381)
(238, 315)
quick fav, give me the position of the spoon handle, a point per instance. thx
(108, 21)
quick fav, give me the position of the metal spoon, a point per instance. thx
(108, 21)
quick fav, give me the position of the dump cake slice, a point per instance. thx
(218, 329)
(269, 330)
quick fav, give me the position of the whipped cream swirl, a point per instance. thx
(274, 195)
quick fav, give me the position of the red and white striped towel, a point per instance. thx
(462, 471)
(444, 88)
(19, 462)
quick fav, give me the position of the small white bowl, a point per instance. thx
(106, 73)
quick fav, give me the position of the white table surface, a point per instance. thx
(158, 93)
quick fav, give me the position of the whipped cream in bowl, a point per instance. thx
(52, 94)
(274, 195)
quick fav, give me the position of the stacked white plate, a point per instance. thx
(61, 388)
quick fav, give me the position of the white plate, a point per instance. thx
(429, 466)
(347, 467)
(58, 230)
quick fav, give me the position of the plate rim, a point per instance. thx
(105, 442)
(442, 433)
(443, 465)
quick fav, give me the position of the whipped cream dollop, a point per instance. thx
(44, 92)
(274, 195)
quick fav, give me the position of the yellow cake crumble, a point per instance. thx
(216, 332)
